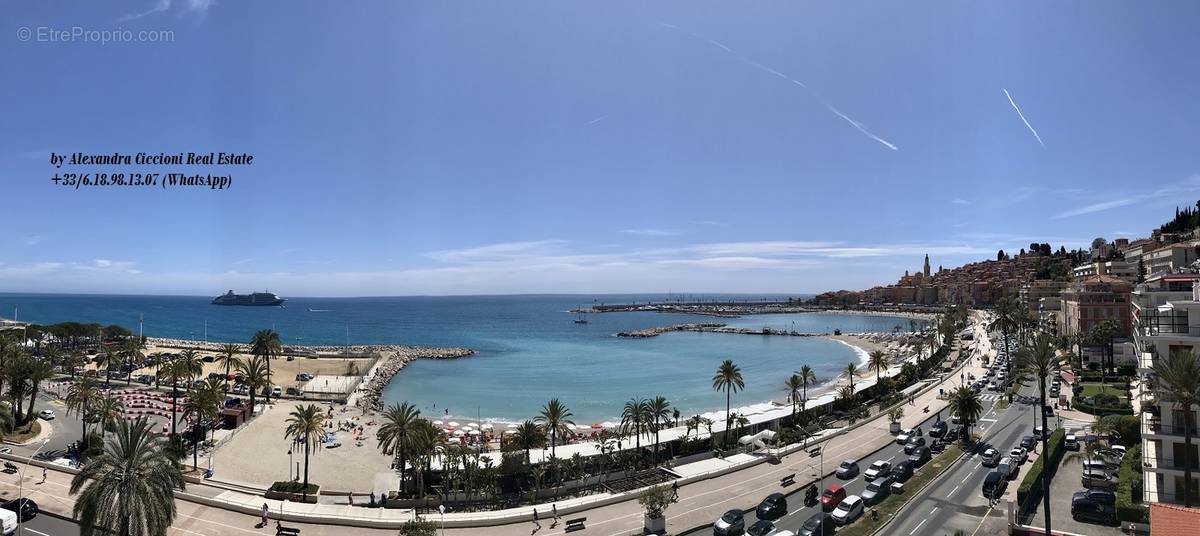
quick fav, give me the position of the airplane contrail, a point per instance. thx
(720, 44)
(1022, 116)
(597, 120)
(862, 129)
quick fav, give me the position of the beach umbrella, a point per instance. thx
(459, 433)
(453, 424)
(597, 425)
(474, 432)
(447, 430)
(511, 426)
(608, 424)
(453, 440)
(438, 423)
(507, 432)
(473, 425)
(486, 426)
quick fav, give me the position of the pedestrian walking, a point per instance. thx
(43, 476)
(675, 491)
(554, 512)
(264, 515)
(536, 525)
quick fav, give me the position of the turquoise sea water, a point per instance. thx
(528, 348)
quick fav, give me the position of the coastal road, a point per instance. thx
(955, 501)
(45, 525)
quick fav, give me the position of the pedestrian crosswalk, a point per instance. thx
(988, 397)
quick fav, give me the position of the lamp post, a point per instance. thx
(289, 465)
(21, 482)
(442, 511)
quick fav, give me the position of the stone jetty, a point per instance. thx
(713, 328)
(394, 359)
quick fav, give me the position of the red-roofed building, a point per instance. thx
(1172, 520)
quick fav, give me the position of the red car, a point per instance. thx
(832, 497)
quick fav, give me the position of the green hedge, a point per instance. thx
(1129, 489)
(294, 487)
(1085, 407)
(1031, 486)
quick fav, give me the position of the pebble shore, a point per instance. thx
(395, 359)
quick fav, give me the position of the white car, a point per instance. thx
(46, 415)
(848, 510)
(904, 435)
(8, 519)
(1071, 442)
(990, 457)
(1018, 455)
(877, 469)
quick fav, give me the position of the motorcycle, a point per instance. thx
(810, 496)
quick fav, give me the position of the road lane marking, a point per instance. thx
(952, 491)
(27, 529)
(918, 527)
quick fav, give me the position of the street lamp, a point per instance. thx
(21, 482)
(442, 511)
(289, 465)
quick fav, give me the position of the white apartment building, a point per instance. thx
(1166, 318)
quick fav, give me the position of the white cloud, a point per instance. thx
(1189, 185)
(32, 240)
(505, 250)
(158, 7)
(650, 232)
(960, 201)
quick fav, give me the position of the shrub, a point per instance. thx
(1030, 489)
(419, 528)
(293, 487)
(1087, 407)
(1127, 427)
(1129, 489)
(655, 501)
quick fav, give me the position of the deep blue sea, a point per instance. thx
(528, 347)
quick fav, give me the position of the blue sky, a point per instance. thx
(457, 148)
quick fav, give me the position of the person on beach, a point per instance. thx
(536, 525)
(554, 512)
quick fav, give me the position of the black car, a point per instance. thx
(820, 524)
(920, 455)
(994, 484)
(938, 429)
(1028, 442)
(1104, 496)
(732, 523)
(903, 470)
(951, 435)
(773, 507)
(913, 444)
(1085, 508)
(761, 528)
(25, 508)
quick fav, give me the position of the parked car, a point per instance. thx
(1119, 449)
(877, 469)
(1027, 442)
(46, 414)
(8, 519)
(904, 435)
(761, 527)
(1071, 442)
(850, 508)
(832, 496)
(1098, 479)
(990, 457)
(847, 469)
(772, 507)
(295, 391)
(913, 444)
(731, 523)
(1039, 432)
(1087, 508)
(25, 508)
(994, 484)
(951, 435)
(902, 471)
(1102, 495)
(938, 429)
(1019, 455)
(877, 490)
(276, 391)
(1007, 468)
(920, 455)
(303, 377)
(1098, 465)
(820, 524)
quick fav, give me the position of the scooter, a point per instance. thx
(810, 496)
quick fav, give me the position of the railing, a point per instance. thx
(1158, 324)
(1168, 462)
(1157, 427)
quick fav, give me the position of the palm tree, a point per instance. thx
(1179, 384)
(265, 344)
(132, 351)
(849, 372)
(200, 407)
(80, 398)
(7, 424)
(660, 413)
(256, 375)
(228, 359)
(306, 424)
(190, 364)
(807, 378)
(633, 417)
(879, 361)
(729, 379)
(399, 420)
(39, 371)
(528, 435)
(557, 419)
(794, 385)
(173, 370)
(108, 360)
(1007, 320)
(17, 371)
(129, 489)
(965, 403)
(1039, 360)
(108, 409)
(71, 361)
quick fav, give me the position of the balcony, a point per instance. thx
(1153, 426)
(1150, 325)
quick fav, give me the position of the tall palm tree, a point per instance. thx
(228, 359)
(1007, 320)
(81, 396)
(17, 372)
(191, 364)
(71, 361)
(200, 407)
(850, 371)
(39, 371)
(879, 361)
(794, 385)
(129, 489)
(1038, 360)
(265, 344)
(965, 403)
(306, 424)
(556, 418)
(173, 370)
(660, 415)
(528, 435)
(108, 359)
(109, 409)
(256, 375)
(1179, 384)
(807, 378)
(399, 420)
(729, 379)
(131, 349)
(633, 418)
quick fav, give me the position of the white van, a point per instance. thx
(8, 520)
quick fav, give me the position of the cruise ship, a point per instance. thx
(257, 298)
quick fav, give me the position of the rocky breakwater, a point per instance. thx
(393, 360)
(656, 331)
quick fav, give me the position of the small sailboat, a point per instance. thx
(579, 319)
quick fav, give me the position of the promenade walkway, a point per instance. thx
(206, 510)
